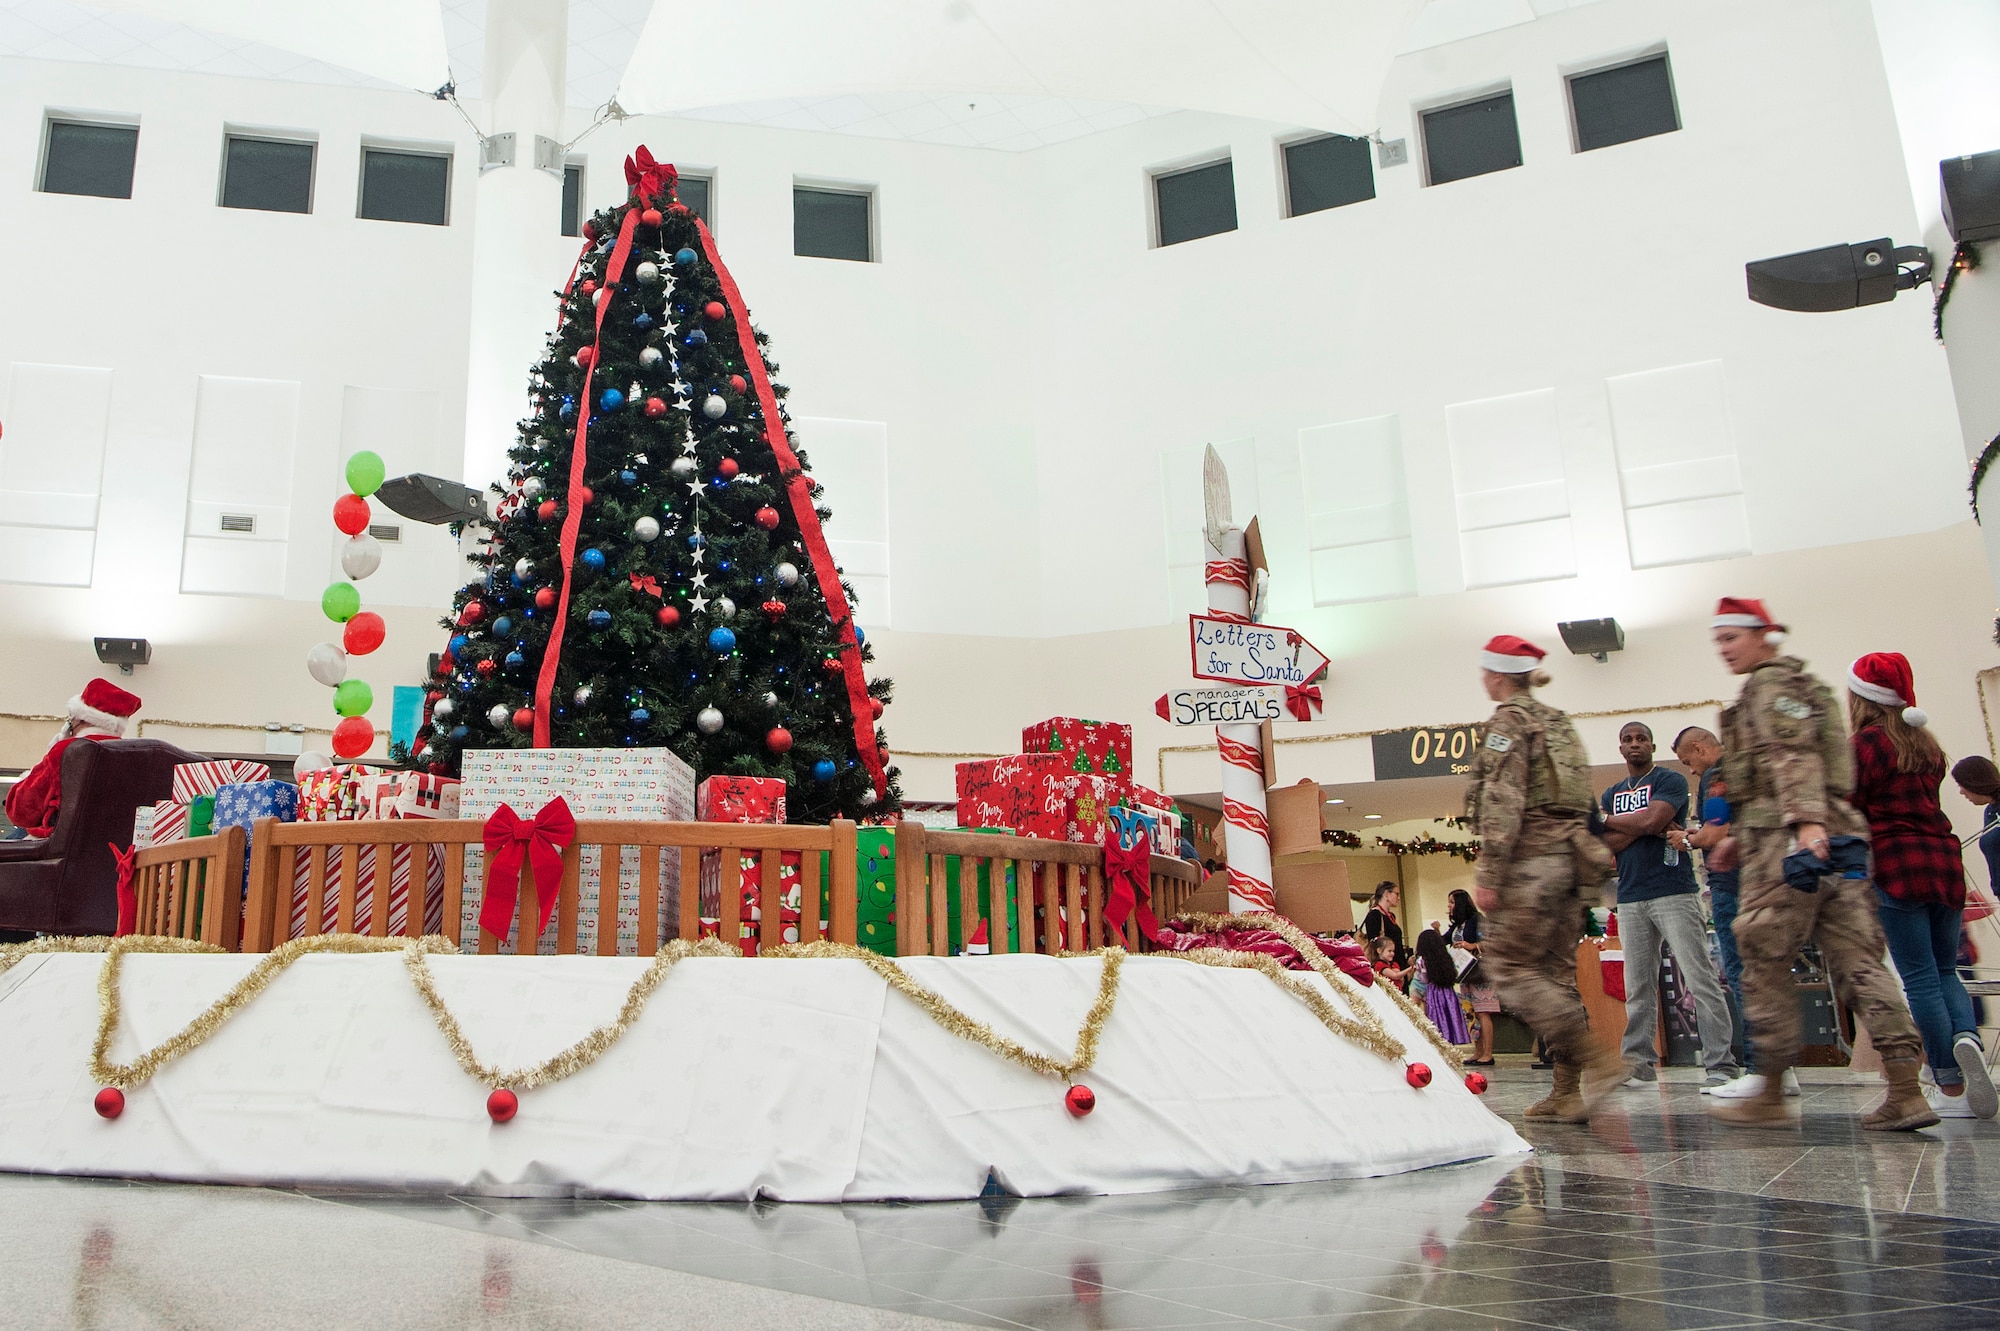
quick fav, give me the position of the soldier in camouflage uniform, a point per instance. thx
(1529, 800)
(1789, 769)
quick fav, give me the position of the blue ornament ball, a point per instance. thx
(640, 716)
(568, 407)
(612, 400)
(696, 540)
(515, 660)
(697, 338)
(642, 321)
(684, 259)
(459, 643)
(598, 619)
(824, 769)
(722, 640)
(593, 559)
(502, 627)
(458, 734)
(628, 477)
(860, 638)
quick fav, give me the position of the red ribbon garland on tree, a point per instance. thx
(511, 839)
(799, 491)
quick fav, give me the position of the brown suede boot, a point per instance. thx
(1769, 1108)
(1562, 1098)
(1904, 1107)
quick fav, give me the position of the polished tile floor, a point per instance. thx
(1651, 1217)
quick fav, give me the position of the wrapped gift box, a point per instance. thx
(201, 815)
(192, 779)
(402, 861)
(1090, 748)
(740, 799)
(376, 792)
(331, 794)
(422, 795)
(169, 822)
(142, 827)
(750, 924)
(241, 804)
(875, 888)
(1034, 795)
(627, 784)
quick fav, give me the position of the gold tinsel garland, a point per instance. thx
(11, 954)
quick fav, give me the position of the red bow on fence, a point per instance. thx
(646, 177)
(1302, 700)
(1128, 878)
(511, 839)
(128, 899)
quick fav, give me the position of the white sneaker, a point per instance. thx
(1948, 1106)
(1751, 1085)
(1979, 1093)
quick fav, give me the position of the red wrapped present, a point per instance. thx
(751, 918)
(1091, 748)
(331, 794)
(375, 794)
(192, 780)
(422, 795)
(169, 822)
(740, 799)
(402, 861)
(1034, 795)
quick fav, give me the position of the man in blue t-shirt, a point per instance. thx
(1657, 903)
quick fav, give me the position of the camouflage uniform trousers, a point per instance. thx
(1776, 920)
(1530, 952)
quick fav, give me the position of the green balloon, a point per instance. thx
(340, 601)
(353, 697)
(365, 472)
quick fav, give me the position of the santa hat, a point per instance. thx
(1885, 678)
(977, 946)
(104, 705)
(1509, 655)
(1740, 612)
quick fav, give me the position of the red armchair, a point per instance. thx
(67, 883)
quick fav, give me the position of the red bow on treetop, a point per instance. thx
(646, 177)
(511, 839)
(1301, 699)
(645, 583)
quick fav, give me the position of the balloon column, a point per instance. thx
(362, 630)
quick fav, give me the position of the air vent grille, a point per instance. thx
(245, 523)
(385, 531)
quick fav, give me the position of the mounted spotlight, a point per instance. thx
(433, 499)
(124, 652)
(1595, 638)
(1838, 277)
(1969, 193)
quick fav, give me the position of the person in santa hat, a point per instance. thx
(101, 711)
(1804, 875)
(1528, 799)
(1919, 875)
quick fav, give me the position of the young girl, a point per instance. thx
(1382, 955)
(1440, 975)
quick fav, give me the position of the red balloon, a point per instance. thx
(544, 597)
(546, 509)
(472, 613)
(1475, 1082)
(736, 382)
(715, 309)
(767, 518)
(778, 740)
(655, 408)
(669, 616)
(524, 719)
(353, 737)
(1079, 1100)
(502, 1105)
(585, 355)
(678, 209)
(773, 609)
(1418, 1075)
(110, 1102)
(651, 217)
(727, 468)
(350, 514)
(364, 633)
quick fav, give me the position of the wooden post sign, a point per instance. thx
(1226, 706)
(1226, 651)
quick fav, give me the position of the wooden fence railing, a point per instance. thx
(192, 888)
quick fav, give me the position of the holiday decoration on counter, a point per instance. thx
(656, 488)
(362, 631)
(740, 799)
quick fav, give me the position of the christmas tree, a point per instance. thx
(657, 573)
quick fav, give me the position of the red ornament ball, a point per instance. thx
(1475, 1082)
(655, 408)
(1418, 1075)
(585, 355)
(736, 382)
(486, 667)
(588, 494)
(651, 217)
(832, 665)
(502, 1105)
(715, 309)
(1079, 1100)
(875, 708)
(363, 634)
(727, 469)
(350, 514)
(353, 737)
(678, 209)
(524, 719)
(589, 286)
(546, 510)
(472, 613)
(544, 597)
(668, 616)
(767, 518)
(445, 665)
(778, 740)
(590, 231)
(110, 1102)
(774, 609)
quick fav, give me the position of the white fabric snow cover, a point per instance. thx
(795, 1080)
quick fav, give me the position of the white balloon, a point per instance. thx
(327, 664)
(361, 556)
(310, 762)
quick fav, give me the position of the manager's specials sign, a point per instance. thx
(1426, 751)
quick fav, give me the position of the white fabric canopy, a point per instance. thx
(797, 1080)
(1314, 63)
(398, 41)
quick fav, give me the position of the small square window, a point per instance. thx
(399, 186)
(267, 174)
(695, 191)
(830, 224)
(1327, 172)
(1471, 139)
(1626, 102)
(572, 203)
(1196, 203)
(90, 159)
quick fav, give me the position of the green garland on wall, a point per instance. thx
(1430, 845)
(1964, 258)
(1980, 466)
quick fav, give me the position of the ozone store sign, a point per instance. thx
(1226, 651)
(1425, 751)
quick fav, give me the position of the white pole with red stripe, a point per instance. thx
(1246, 825)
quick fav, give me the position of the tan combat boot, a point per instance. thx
(1603, 1074)
(1769, 1108)
(1904, 1107)
(1562, 1098)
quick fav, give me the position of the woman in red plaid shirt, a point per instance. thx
(1919, 874)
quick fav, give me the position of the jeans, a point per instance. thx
(1923, 942)
(1677, 921)
(1723, 902)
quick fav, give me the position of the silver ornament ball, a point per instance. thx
(771, 701)
(442, 709)
(648, 272)
(867, 798)
(683, 467)
(714, 407)
(650, 356)
(582, 696)
(499, 717)
(786, 574)
(725, 608)
(708, 720)
(532, 488)
(524, 568)
(647, 529)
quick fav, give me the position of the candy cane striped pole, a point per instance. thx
(1246, 827)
